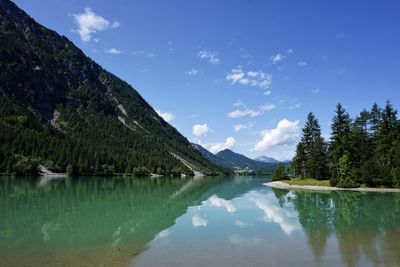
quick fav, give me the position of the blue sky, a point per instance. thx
(240, 74)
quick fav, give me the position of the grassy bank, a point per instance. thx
(312, 182)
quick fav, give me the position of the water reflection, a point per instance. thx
(261, 226)
(100, 221)
(193, 222)
(286, 218)
(364, 225)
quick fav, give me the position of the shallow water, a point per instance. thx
(95, 221)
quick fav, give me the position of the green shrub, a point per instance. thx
(333, 181)
(347, 174)
(26, 166)
(141, 172)
(280, 173)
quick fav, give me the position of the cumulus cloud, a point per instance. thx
(253, 78)
(198, 220)
(229, 143)
(163, 234)
(315, 91)
(200, 130)
(277, 58)
(192, 72)
(302, 63)
(247, 112)
(210, 56)
(286, 132)
(89, 23)
(238, 113)
(113, 51)
(286, 219)
(268, 92)
(167, 116)
(241, 126)
(216, 201)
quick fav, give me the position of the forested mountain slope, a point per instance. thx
(60, 108)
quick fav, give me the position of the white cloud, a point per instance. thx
(170, 48)
(252, 78)
(277, 58)
(315, 91)
(285, 218)
(302, 63)
(163, 234)
(340, 35)
(142, 53)
(168, 117)
(210, 56)
(216, 201)
(290, 51)
(238, 103)
(267, 107)
(89, 23)
(192, 72)
(198, 220)
(241, 126)
(286, 132)
(295, 106)
(229, 143)
(268, 92)
(113, 51)
(244, 240)
(241, 224)
(239, 113)
(200, 130)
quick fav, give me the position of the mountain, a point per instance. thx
(266, 159)
(210, 156)
(61, 109)
(240, 161)
(234, 161)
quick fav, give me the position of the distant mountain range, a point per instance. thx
(266, 159)
(232, 160)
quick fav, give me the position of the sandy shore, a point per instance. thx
(283, 185)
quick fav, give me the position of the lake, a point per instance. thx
(114, 221)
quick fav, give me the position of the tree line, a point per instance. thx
(364, 150)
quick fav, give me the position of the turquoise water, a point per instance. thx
(96, 221)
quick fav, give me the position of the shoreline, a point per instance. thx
(283, 185)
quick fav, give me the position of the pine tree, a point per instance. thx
(10, 164)
(280, 173)
(375, 119)
(360, 144)
(299, 161)
(339, 136)
(387, 139)
(347, 173)
(320, 159)
(311, 157)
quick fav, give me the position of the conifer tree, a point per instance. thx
(311, 158)
(339, 137)
(280, 173)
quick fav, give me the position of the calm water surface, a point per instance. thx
(95, 221)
